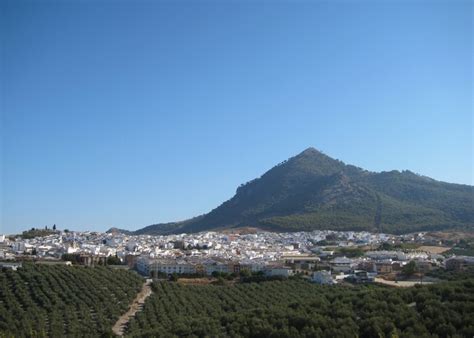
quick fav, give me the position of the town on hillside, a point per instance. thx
(323, 257)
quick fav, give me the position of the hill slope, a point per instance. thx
(313, 191)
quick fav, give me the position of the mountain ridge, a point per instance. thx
(312, 191)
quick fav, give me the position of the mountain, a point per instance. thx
(313, 191)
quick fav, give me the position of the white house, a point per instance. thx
(149, 267)
(385, 255)
(279, 271)
(323, 278)
(217, 267)
(341, 264)
(18, 247)
(172, 267)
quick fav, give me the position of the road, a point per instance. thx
(135, 306)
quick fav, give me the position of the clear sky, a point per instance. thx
(129, 113)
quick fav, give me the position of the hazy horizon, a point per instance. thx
(133, 113)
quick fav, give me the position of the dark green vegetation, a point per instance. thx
(59, 301)
(313, 191)
(409, 269)
(73, 258)
(468, 273)
(299, 309)
(33, 232)
(465, 247)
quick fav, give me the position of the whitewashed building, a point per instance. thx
(322, 277)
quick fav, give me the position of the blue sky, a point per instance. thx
(131, 113)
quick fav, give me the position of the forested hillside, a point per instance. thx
(300, 309)
(60, 301)
(313, 191)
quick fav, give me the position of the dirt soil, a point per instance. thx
(135, 306)
(400, 284)
(434, 249)
(195, 281)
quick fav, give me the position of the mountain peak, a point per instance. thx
(315, 162)
(310, 150)
(312, 191)
(313, 153)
